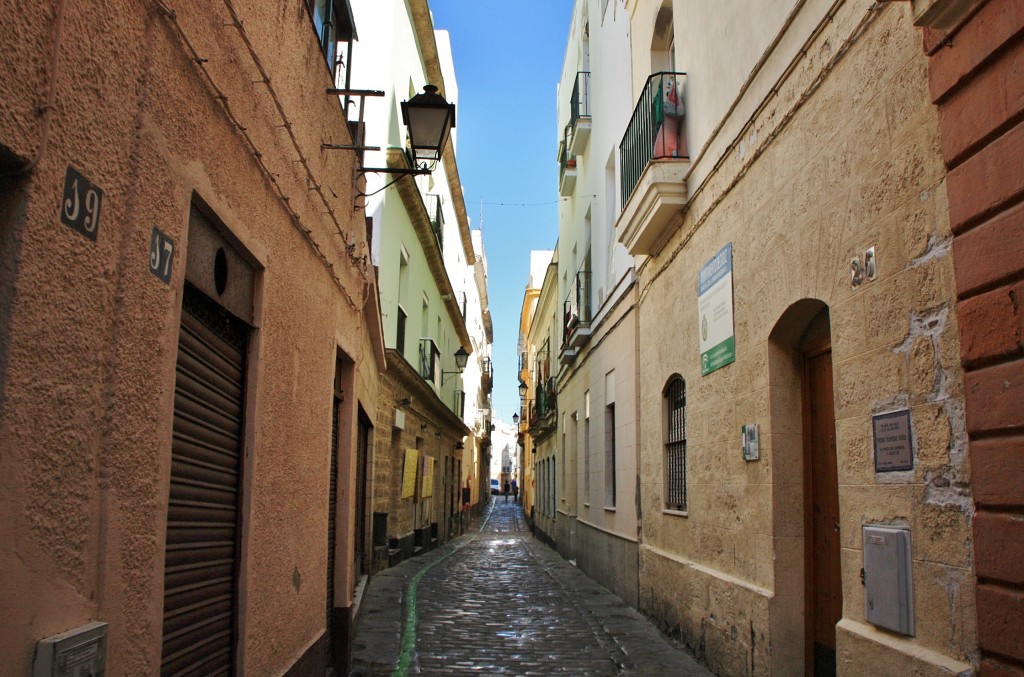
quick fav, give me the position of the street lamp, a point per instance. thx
(430, 120)
(515, 419)
(461, 357)
(522, 389)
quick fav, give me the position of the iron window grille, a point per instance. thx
(675, 445)
(610, 479)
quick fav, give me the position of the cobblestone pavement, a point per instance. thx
(497, 602)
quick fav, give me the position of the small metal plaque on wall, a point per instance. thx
(80, 204)
(893, 444)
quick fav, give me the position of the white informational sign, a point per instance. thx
(714, 304)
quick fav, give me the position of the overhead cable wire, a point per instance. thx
(258, 156)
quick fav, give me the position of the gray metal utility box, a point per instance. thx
(81, 652)
(888, 579)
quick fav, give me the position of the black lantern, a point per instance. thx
(430, 120)
(461, 357)
(522, 389)
(515, 418)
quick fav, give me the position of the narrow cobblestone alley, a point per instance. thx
(497, 601)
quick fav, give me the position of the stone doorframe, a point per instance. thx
(786, 441)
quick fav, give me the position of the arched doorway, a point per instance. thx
(808, 602)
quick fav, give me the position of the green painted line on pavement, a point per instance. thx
(409, 633)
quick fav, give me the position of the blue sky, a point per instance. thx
(508, 59)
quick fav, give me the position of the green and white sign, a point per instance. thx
(714, 307)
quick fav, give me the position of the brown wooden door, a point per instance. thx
(360, 556)
(824, 581)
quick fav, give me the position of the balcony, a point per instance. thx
(576, 312)
(544, 408)
(654, 162)
(430, 361)
(579, 114)
(487, 375)
(433, 205)
(567, 169)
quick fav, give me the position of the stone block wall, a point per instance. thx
(843, 155)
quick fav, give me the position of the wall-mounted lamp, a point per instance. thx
(423, 427)
(515, 419)
(461, 357)
(429, 119)
(522, 389)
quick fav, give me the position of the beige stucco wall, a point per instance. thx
(89, 335)
(826, 170)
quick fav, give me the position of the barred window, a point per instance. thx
(675, 444)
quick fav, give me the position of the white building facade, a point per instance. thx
(596, 366)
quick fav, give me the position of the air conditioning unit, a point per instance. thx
(399, 419)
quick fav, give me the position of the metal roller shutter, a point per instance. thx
(201, 560)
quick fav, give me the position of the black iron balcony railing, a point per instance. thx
(579, 105)
(525, 407)
(486, 375)
(433, 203)
(544, 407)
(655, 131)
(400, 331)
(430, 361)
(566, 162)
(577, 307)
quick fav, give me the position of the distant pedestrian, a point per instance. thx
(506, 491)
(515, 492)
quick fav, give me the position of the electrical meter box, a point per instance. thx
(888, 580)
(81, 652)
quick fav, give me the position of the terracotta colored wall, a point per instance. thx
(88, 335)
(977, 82)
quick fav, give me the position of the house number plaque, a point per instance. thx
(80, 205)
(161, 255)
